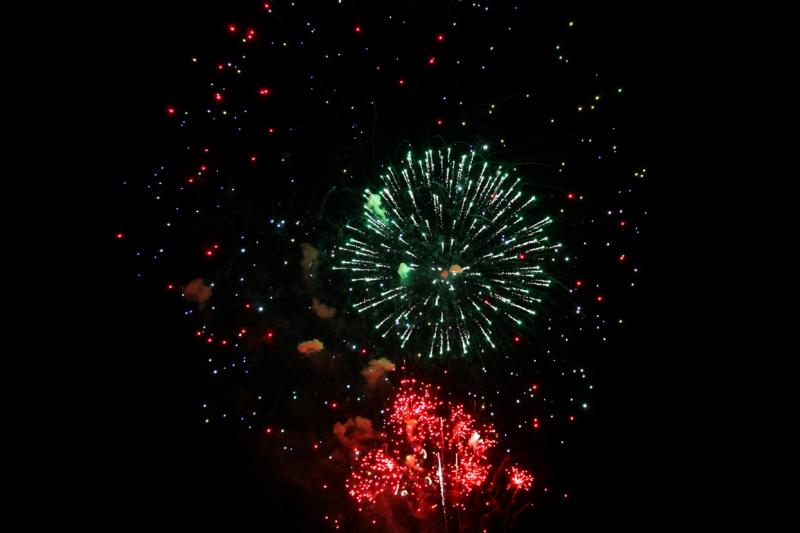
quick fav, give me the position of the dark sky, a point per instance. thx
(158, 466)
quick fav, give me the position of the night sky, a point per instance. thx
(304, 156)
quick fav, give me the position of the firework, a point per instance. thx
(287, 117)
(519, 479)
(435, 454)
(448, 249)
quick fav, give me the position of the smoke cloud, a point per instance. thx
(196, 291)
(322, 310)
(310, 259)
(354, 432)
(376, 370)
(309, 347)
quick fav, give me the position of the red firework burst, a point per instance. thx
(519, 479)
(435, 452)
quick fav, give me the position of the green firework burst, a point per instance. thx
(446, 253)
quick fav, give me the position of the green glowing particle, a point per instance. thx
(403, 271)
(374, 205)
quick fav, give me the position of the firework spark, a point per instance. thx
(447, 251)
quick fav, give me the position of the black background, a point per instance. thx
(154, 465)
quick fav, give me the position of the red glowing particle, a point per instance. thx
(203, 168)
(170, 287)
(578, 283)
(198, 333)
(535, 423)
(267, 6)
(263, 91)
(357, 28)
(205, 150)
(209, 253)
(170, 110)
(333, 405)
(220, 66)
(363, 351)
(209, 340)
(271, 131)
(570, 196)
(440, 37)
(432, 60)
(622, 257)
(439, 122)
(517, 339)
(231, 28)
(242, 331)
(253, 158)
(622, 223)
(401, 81)
(572, 418)
(522, 256)
(600, 298)
(120, 235)
(267, 430)
(224, 342)
(270, 334)
(534, 387)
(251, 33)
(218, 97)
